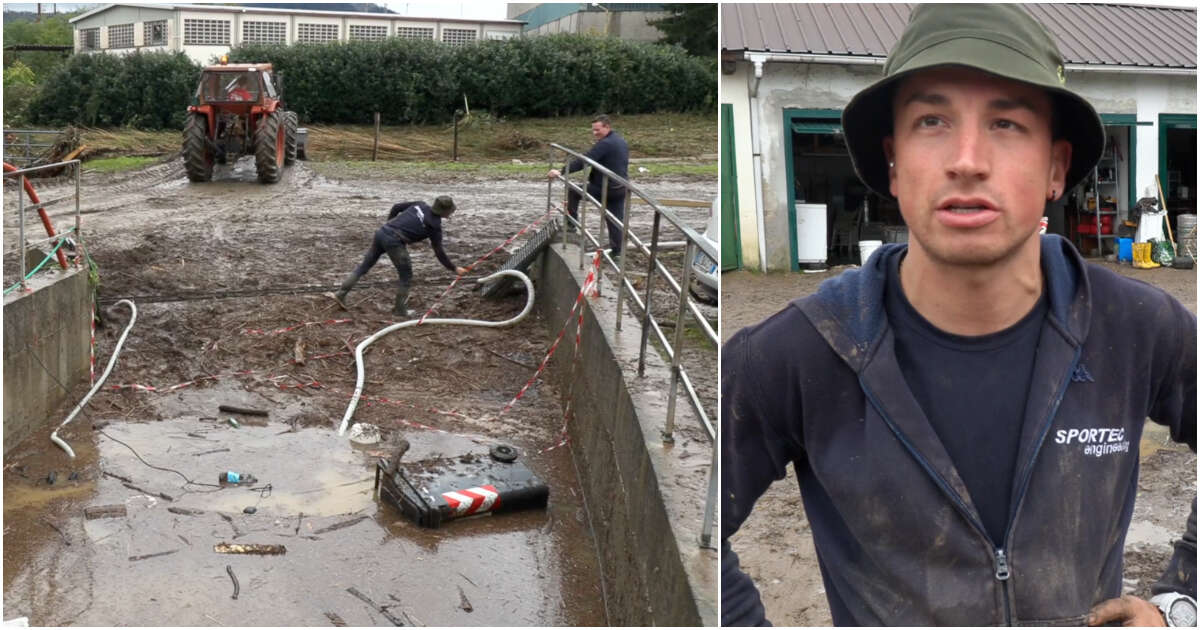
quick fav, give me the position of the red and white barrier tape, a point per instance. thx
(280, 331)
(471, 266)
(588, 290)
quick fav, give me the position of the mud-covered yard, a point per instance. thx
(228, 279)
(775, 544)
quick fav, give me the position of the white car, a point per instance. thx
(704, 269)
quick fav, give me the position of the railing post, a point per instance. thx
(621, 262)
(676, 350)
(78, 226)
(710, 504)
(649, 292)
(21, 229)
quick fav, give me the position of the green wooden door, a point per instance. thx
(731, 243)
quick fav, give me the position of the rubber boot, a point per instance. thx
(400, 310)
(339, 296)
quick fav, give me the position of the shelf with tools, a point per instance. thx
(1096, 217)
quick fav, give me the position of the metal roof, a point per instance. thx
(1087, 34)
(240, 9)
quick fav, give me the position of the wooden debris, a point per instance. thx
(116, 476)
(60, 532)
(298, 351)
(104, 511)
(162, 495)
(255, 549)
(152, 555)
(236, 587)
(219, 450)
(342, 525)
(241, 410)
(463, 602)
(380, 609)
(335, 619)
(184, 511)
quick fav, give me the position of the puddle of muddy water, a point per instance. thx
(526, 568)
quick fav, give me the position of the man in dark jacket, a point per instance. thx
(611, 152)
(963, 413)
(408, 222)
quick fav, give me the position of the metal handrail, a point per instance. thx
(27, 145)
(22, 243)
(695, 242)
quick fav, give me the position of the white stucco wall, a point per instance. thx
(827, 86)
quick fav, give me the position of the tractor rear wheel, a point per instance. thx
(269, 148)
(197, 158)
(291, 122)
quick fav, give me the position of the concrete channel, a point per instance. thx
(617, 545)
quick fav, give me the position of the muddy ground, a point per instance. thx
(775, 544)
(227, 277)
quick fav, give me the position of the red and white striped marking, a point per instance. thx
(472, 500)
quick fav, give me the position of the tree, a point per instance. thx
(693, 26)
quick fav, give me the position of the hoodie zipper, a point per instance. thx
(1000, 558)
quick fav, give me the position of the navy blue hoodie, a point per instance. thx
(898, 539)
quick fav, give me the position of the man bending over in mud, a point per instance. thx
(963, 413)
(408, 222)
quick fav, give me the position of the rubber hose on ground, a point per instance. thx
(99, 382)
(358, 351)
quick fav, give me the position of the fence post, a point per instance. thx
(710, 504)
(21, 229)
(677, 350)
(649, 292)
(375, 147)
(624, 246)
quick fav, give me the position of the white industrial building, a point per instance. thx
(205, 32)
(624, 20)
(789, 193)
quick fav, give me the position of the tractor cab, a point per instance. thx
(236, 84)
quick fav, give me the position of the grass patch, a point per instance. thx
(116, 164)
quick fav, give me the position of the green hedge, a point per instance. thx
(145, 90)
(407, 81)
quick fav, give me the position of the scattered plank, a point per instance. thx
(236, 587)
(116, 476)
(298, 351)
(163, 495)
(255, 549)
(463, 602)
(184, 511)
(219, 450)
(380, 609)
(151, 555)
(104, 511)
(342, 525)
(241, 410)
(335, 619)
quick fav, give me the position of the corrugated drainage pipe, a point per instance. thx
(99, 382)
(358, 351)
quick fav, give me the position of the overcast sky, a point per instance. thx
(489, 9)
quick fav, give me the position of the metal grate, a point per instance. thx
(205, 32)
(120, 36)
(458, 36)
(317, 33)
(414, 32)
(154, 33)
(89, 39)
(264, 32)
(368, 31)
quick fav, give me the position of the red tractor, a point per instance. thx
(238, 111)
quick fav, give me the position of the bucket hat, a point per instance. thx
(443, 206)
(1000, 39)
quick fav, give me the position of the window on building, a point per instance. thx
(414, 32)
(501, 34)
(205, 32)
(264, 32)
(368, 31)
(317, 32)
(89, 38)
(458, 36)
(120, 36)
(155, 33)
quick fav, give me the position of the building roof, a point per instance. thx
(1087, 34)
(218, 8)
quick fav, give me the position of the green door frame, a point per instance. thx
(731, 244)
(1127, 120)
(1166, 121)
(790, 115)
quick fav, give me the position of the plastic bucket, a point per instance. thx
(866, 248)
(1125, 249)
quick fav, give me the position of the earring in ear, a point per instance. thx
(891, 165)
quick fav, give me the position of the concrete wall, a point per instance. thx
(46, 342)
(827, 86)
(646, 505)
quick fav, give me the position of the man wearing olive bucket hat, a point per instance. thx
(963, 413)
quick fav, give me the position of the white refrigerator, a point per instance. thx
(811, 239)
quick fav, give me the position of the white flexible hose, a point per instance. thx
(111, 362)
(358, 351)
